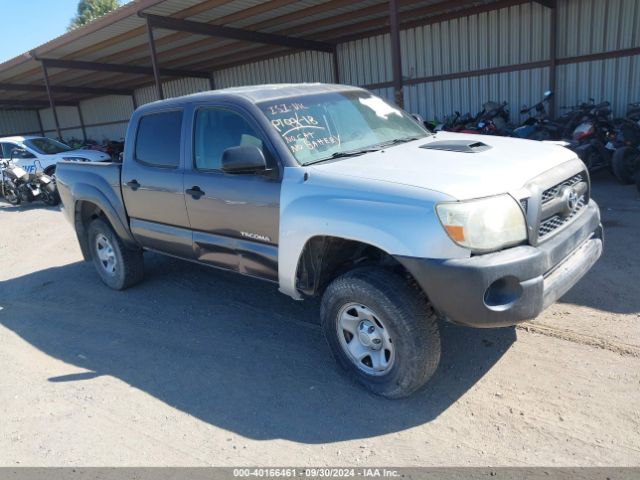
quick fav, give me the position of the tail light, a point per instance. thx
(584, 130)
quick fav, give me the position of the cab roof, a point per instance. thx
(255, 93)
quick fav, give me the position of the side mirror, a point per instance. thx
(244, 159)
(548, 94)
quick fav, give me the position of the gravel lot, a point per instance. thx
(201, 367)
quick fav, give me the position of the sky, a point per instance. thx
(27, 24)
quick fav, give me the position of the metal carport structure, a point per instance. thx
(416, 52)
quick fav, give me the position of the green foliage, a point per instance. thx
(89, 10)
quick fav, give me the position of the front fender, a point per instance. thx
(396, 219)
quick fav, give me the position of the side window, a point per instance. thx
(217, 129)
(158, 139)
(7, 148)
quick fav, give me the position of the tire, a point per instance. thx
(51, 171)
(624, 163)
(408, 352)
(50, 194)
(10, 195)
(119, 267)
(591, 157)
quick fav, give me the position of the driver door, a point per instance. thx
(234, 217)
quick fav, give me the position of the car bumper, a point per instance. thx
(513, 285)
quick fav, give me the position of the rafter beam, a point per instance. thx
(112, 67)
(34, 103)
(200, 28)
(16, 87)
(546, 3)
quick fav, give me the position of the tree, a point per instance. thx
(89, 10)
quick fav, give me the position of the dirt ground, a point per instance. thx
(201, 367)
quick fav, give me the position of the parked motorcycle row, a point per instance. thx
(112, 147)
(588, 129)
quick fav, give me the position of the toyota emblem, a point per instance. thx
(570, 198)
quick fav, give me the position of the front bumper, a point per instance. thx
(513, 285)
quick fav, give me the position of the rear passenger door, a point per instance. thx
(152, 184)
(235, 218)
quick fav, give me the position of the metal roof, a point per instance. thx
(121, 38)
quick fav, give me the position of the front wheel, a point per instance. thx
(119, 267)
(381, 331)
(11, 194)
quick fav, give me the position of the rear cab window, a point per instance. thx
(158, 139)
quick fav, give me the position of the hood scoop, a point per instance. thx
(462, 146)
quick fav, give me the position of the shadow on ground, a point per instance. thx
(7, 207)
(228, 350)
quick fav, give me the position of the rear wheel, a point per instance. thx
(381, 331)
(625, 162)
(50, 194)
(119, 267)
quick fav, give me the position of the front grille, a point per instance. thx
(556, 221)
(551, 193)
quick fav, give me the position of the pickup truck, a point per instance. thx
(330, 191)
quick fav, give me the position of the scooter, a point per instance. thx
(17, 185)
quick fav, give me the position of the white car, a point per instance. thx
(42, 153)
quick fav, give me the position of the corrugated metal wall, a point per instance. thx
(67, 117)
(172, 88)
(500, 38)
(298, 67)
(112, 109)
(596, 26)
(15, 122)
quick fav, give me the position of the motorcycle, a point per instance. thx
(625, 162)
(591, 134)
(493, 119)
(19, 186)
(538, 126)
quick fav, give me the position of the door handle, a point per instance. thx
(195, 192)
(133, 184)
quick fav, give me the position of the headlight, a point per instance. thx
(75, 159)
(485, 224)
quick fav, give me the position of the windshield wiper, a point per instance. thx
(348, 153)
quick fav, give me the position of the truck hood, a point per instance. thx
(502, 165)
(91, 155)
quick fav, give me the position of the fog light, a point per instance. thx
(502, 293)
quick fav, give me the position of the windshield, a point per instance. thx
(46, 146)
(330, 125)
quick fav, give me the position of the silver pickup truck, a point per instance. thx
(328, 190)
